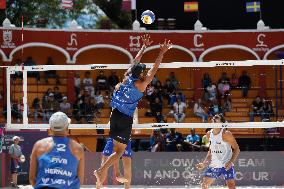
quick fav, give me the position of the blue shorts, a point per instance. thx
(217, 172)
(109, 148)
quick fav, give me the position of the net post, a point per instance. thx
(25, 93)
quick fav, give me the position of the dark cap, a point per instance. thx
(137, 69)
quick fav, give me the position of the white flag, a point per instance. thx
(133, 4)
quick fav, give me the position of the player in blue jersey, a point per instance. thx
(126, 159)
(57, 162)
(124, 102)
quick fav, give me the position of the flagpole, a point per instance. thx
(198, 14)
(260, 14)
(22, 50)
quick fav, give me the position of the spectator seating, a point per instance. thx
(239, 113)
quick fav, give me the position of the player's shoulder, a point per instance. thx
(77, 147)
(227, 134)
(43, 141)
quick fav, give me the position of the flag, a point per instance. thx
(67, 4)
(190, 6)
(253, 6)
(133, 4)
(2, 4)
(126, 5)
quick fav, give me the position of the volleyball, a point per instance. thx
(148, 17)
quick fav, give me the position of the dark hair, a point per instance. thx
(221, 117)
(137, 69)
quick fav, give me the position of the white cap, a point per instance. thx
(59, 121)
(15, 138)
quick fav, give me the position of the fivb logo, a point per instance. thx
(59, 160)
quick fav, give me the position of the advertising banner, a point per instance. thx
(178, 169)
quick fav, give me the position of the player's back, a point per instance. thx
(127, 97)
(57, 167)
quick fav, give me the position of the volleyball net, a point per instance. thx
(186, 82)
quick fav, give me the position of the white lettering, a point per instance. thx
(167, 174)
(239, 176)
(59, 160)
(61, 147)
(260, 40)
(158, 175)
(260, 176)
(147, 174)
(260, 162)
(251, 162)
(196, 42)
(58, 181)
(182, 162)
(69, 182)
(73, 39)
(58, 172)
(242, 162)
(147, 162)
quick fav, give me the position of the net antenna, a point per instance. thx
(25, 69)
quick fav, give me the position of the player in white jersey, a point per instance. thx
(223, 151)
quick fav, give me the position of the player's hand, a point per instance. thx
(200, 166)
(228, 165)
(165, 46)
(116, 88)
(146, 40)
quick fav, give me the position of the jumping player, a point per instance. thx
(57, 161)
(126, 159)
(124, 102)
(223, 151)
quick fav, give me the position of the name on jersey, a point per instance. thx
(216, 152)
(59, 160)
(57, 172)
(56, 181)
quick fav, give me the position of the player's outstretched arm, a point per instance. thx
(228, 137)
(146, 42)
(151, 73)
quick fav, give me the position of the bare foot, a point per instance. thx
(99, 179)
(121, 179)
(98, 186)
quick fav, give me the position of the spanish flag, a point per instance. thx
(2, 4)
(190, 6)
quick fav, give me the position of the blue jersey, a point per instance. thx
(58, 168)
(127, 97)
(109, 148)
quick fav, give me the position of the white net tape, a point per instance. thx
(25, 69)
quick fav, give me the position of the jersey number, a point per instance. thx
(61, 147)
